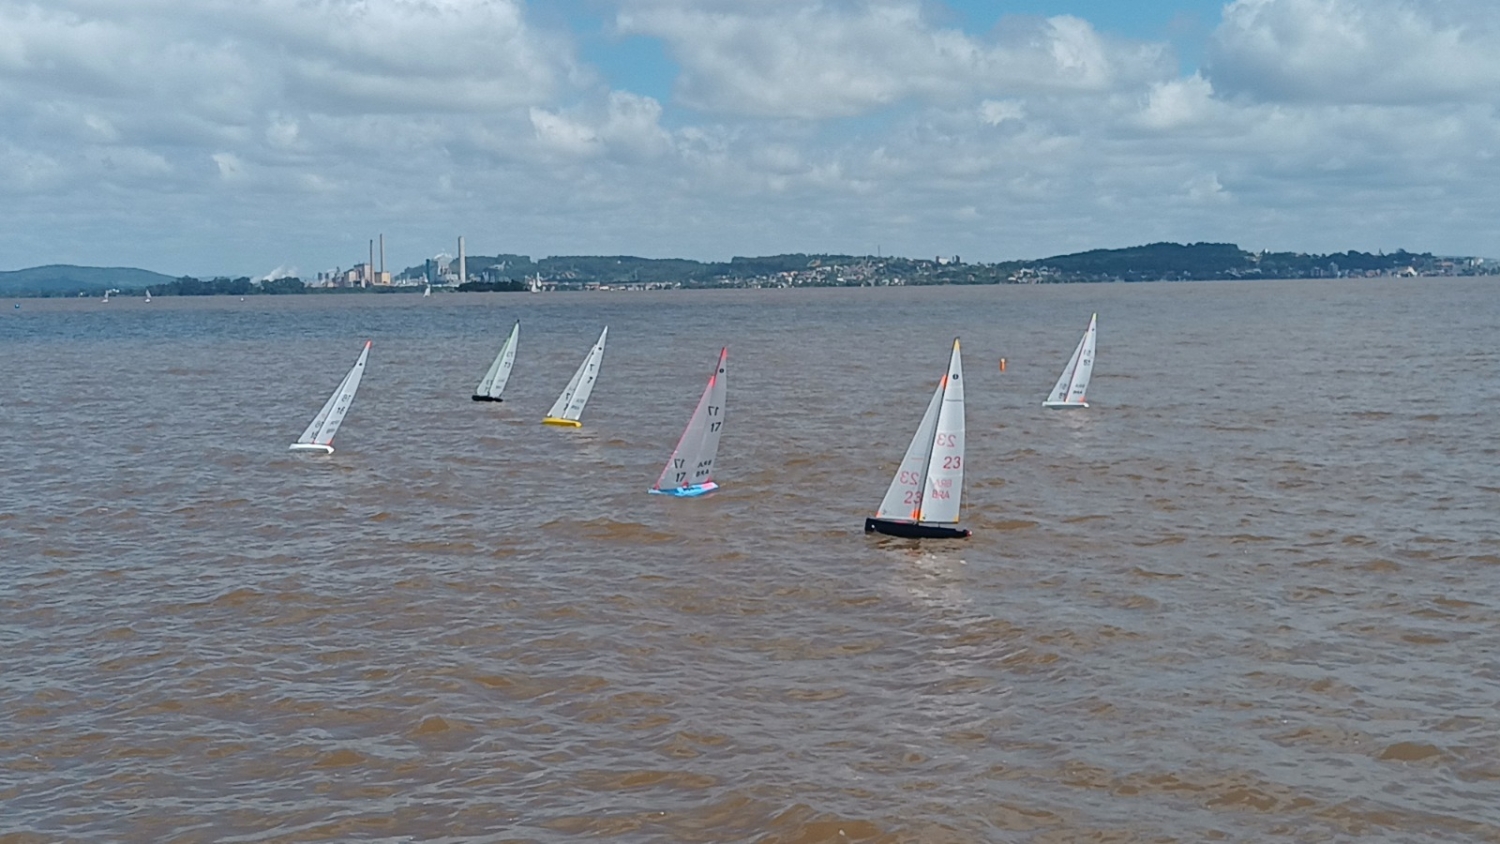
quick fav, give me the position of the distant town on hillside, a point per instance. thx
(1153, 262)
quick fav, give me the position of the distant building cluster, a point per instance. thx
(1155, 262)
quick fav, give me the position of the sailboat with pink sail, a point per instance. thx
(689, 471)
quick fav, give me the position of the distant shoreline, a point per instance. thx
(519, 273)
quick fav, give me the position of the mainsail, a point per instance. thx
(569, 406)
(689, 471)
(1072, 386)
(493, 383)
(319, 433)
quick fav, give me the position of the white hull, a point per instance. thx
(1064, 405)
(311, 448)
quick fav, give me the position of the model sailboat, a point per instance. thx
(923, 499)
(690, 470)
(319, 434)
(569, 406)
(493, 384)
(1074, 381)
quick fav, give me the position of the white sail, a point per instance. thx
(691, 466)
(929, 483)
(493, 383)
(903, 500)
(945, 464)
(320, 432)
(1072, 386)
(569, 405)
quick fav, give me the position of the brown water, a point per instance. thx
(1252, 594)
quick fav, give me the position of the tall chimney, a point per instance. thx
(463, 274)
(370, 267)
(381, 277)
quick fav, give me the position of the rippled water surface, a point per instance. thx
(1252, 594)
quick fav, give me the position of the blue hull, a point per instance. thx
(687, 491)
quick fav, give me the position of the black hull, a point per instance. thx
(914, 530)
(485, 398)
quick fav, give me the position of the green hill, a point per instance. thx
(68, 280)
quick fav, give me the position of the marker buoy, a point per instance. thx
(1002, 364)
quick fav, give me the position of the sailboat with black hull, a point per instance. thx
(689, 471)
(923, 499)
(493, 383)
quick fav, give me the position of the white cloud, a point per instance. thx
(563, 135)
(823, 59)
(625, 126)
(283, 132)
(1364, 51)
(231, 168)
(156, 125)
(995, 112)
(1179, 103)
(1205, 188)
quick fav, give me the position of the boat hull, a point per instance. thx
(562, 423)
(686, 491)
(311, 448)
(1064, 405)
(914, 530)
(486, 398)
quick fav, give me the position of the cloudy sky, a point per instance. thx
(238, 136)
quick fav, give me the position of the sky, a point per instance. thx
(249, 137)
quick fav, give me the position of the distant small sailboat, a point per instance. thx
(493, 384)
(319, 435)
(148, 295)
(106, 295)
(569, 406)
(689, 471)
(1074, 382)
(427, 292)
(923, 499)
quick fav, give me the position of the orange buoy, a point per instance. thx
(1002, 364)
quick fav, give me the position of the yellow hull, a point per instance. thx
(563, 423)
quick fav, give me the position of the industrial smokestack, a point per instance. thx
(463, 270)
(370, 267)
(381, 277)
